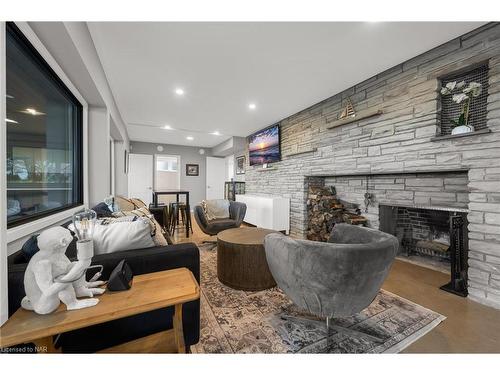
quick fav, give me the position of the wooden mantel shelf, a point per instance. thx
(362, 115)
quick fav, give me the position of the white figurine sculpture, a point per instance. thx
(43, 293)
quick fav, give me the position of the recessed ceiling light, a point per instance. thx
(32, 111)
(189, 138)
(215, 133)
(11, 121)
(167, 127)
(252, 106)
(179, 91)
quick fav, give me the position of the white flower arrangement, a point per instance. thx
(465, 97)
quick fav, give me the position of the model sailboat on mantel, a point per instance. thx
(348, 111)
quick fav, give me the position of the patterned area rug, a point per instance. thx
(234, 321)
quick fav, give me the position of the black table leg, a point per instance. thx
(177, 200)
(188, 215)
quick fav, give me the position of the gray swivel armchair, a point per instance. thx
(330, 279)
(237, 211)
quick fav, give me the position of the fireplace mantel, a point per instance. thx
(386, 173)
(423, 207)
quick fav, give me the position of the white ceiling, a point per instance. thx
(282, 67)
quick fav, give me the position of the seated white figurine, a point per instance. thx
(42, 292)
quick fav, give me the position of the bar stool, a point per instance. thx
(188, 218)
(179, 213)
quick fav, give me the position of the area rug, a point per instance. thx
(234, 321)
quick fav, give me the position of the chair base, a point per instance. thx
(326, 323)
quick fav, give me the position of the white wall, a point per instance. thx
(80, 35)
(189, 155)
(3, 185)
(232, 147)
(99, 158)
(121, 180)
(230, 167)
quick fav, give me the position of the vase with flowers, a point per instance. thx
(462, 94)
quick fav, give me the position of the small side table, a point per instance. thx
(149, 292)
(241, 259)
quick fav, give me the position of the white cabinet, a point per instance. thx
(267, 212)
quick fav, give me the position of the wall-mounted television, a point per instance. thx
(264, 146)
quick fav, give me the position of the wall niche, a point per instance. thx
(477, 112)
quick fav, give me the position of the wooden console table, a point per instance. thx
(149, 292)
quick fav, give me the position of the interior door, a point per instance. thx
(216, 175)
(140, 177)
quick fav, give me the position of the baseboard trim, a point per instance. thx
(484, 301)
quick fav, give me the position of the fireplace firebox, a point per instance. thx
(433, 235)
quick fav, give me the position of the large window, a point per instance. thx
(44, 136)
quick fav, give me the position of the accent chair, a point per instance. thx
(330, 279)
(237, 211)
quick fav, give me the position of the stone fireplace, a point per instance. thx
(401, 156)
(421, 209)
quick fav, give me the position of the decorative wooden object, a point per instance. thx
(348, 110)
(314, 149)
(362, 115)
(149, 292)
(241, 259)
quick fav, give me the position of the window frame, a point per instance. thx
(155, 171)
(56, 216)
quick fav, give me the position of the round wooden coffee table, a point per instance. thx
(241, 259)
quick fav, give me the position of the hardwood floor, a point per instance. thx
(469, 326)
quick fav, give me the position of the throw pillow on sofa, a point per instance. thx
(138, 203)
(124, 204)
(30, 247)
(121, 236)
(113, 220)
(102, 210)
(156, 230)
(216, 208)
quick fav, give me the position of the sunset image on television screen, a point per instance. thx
(264, 146)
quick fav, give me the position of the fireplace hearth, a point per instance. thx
(435, 236)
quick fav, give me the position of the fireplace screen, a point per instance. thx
(431, 236)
